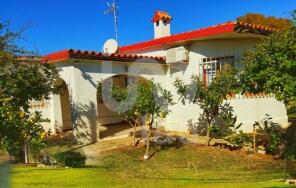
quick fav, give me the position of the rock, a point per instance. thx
(160, 140)
(291, 182)
(42, 166)
(182, 140)
(170, 140)
(47, 160)
(165, 140)
(263, 152)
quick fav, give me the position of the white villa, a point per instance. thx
(168, 56)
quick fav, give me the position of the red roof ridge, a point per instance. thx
(202, 32)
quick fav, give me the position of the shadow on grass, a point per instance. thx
(4, 175)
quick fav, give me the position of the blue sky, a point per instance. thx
(78, 24)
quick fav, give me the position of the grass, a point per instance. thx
(188, 166)
(292, 115)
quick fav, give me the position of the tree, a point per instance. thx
(209, 97)
(271, 66)
(259, 19)
(151, 101)
(129, 113)
(22, 80)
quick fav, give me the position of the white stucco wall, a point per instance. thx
(247, 110)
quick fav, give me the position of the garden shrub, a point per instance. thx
(36, 146)
(238, 139)
(290, 141)
(272, 136)
(70, 159)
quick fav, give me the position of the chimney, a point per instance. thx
(162, 24)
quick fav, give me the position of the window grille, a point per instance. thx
(210, 66)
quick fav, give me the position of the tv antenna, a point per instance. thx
(113, 9)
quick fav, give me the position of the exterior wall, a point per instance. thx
(45, 108)
(247, 110)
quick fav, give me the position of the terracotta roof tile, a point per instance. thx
(161, 15)
(79, 54)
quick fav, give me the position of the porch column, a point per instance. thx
(57, 119)
(83, 102)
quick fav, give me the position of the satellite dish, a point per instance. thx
(110, 46)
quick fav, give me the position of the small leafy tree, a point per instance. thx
(209, 97)
(22, 80)
(151, 101)
(128, 113)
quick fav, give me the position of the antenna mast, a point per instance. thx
(113, 9)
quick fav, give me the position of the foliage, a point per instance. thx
(271, 66)
(269, 21)
(210, 97)
(238, 139)
(290, 141)
(274, 135)
(70, 159)
(150, 100)
(22, 80)
(36, 145)
(128, 112)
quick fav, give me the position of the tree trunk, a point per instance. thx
(134, 126)
(26, 152)
(208, 135)
(134, 136)
(254, 139)
(146, 156)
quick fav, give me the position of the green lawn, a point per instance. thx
(292, 115)
(167, 168)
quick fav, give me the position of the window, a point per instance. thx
(209, 67)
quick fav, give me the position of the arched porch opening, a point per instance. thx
(110, 123)
(63, 107)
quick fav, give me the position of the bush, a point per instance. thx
(238, 139)
(36, 146)
(271, 136)
(290, 141)
(70, 159)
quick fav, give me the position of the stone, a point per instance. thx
(263, 152)
(41, 166)
(290, 182)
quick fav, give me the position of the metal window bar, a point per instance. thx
(209, 67)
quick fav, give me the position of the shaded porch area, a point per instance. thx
(117, 130)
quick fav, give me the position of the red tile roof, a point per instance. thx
(228, 27)
(161, 15)
(79, 54)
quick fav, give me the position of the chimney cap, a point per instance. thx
(161, 15)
